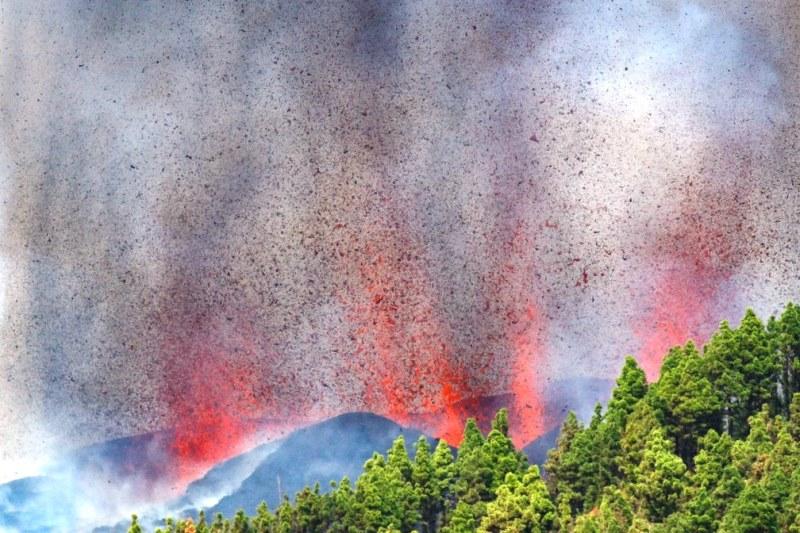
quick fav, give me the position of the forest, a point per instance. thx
(712, 445)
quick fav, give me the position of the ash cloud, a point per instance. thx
(190, 184)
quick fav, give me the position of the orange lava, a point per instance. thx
(397, 321)
(693, 256)
(681, 310)
(527, 414)
(215, 391)
(512, 287)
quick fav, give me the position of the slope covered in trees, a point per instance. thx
(713, 445)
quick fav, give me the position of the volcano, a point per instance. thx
(134, 473)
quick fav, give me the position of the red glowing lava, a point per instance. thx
(528, 418)
(404, 355)
(511, 297)
(693, 256)
(682, 309)
(211, 423)
(216, 391)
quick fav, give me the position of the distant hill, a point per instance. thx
(86, 485)
(221, 480)
(129, 472)
(320, 453)
(20, 499)
(536, 451)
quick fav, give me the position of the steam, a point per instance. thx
(217, 213)
(105, 484)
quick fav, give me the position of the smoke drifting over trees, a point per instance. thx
(221, 213)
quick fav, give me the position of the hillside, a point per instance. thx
(712, 445)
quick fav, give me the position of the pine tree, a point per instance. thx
(786, 332)
(553, 466)
(501, 453)
(713, 485)
(725, 371)
(791, 513)
(444, 478)
(592, 460)
(345, 509)
(794, 416)
(465, 518)
(586, 523)
(615, 512)
(263, 521)
(631, 386)
(521, 505)
(661, 478)
(748, 452)
(579, 476)
(687, 402)
(561, 472)
(311, 510)
(202, 525)
(762, 362)
(397, 457)
(218, 526)
(500, 422)
(473, 438)
(285, 517)
(169, 524)
(640, 423)
(241, 523)
(386, 498)
(186, 526)
(135, 527)
(775, 472)
(473, 469)
(744, 364)
(423, 476)
(751, 512)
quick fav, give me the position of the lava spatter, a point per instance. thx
(218, 384)
(691, 260)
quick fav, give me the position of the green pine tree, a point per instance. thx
(264, 521)
(397, 457)
(500, 452)
(465, 518)
(522, 505)
(444, 478)
(423, 477)
(661, 478)
(135, 527)
(640, 423)
(473, 469)
(687, 402)
(386, 498)
(751, 512)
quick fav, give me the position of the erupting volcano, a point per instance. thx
(225, 221)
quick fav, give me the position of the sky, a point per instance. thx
(220, 216)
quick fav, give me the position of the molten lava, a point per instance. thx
(211, 422)
(511, 295)
(413, 370)
(216, 390)
(693, 256)
(527, 415)
(682, 309)
(405, 354)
